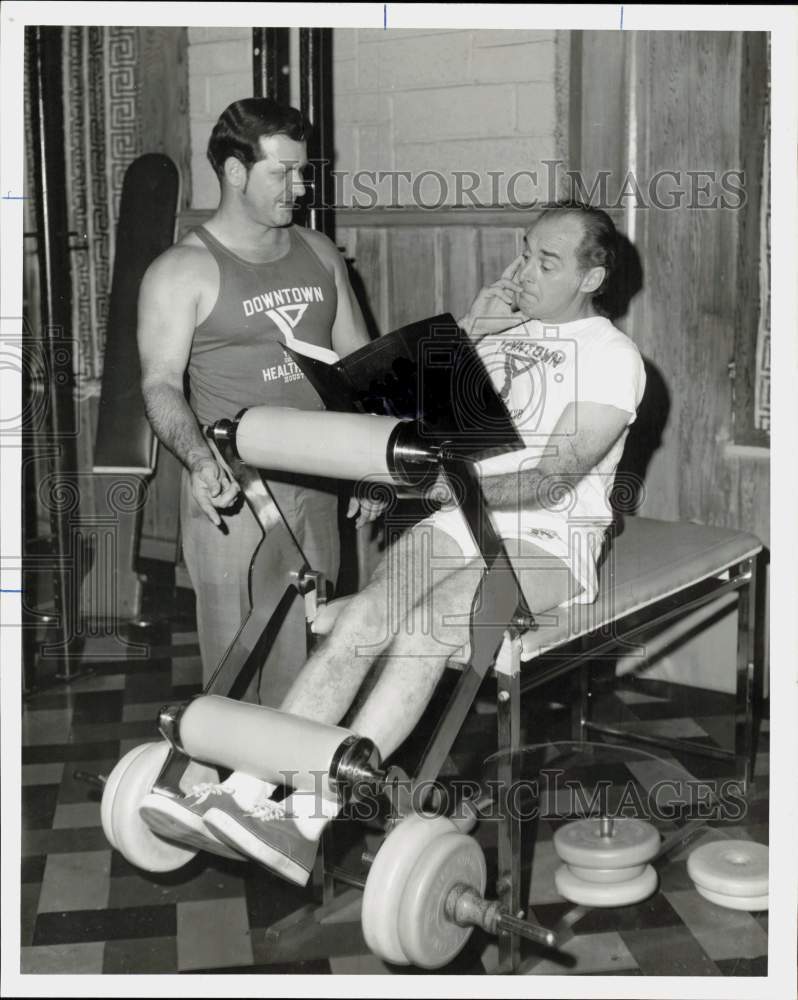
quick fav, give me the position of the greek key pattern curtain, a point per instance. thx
(103, 136)
(125, 93)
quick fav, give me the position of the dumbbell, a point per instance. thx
(606, 861)
(731, 873)
(425, 894)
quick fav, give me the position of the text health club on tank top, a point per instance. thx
(237, 356)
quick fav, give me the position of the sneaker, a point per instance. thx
(264, 832)
(182, 818)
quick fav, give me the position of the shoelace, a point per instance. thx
(267, 810)
(202, 791)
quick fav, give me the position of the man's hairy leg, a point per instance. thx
(372, 620)
(440, 625)
(411, 668)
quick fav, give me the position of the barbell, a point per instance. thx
(424, 896)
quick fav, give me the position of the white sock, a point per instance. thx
(311, 812)
(248, 791)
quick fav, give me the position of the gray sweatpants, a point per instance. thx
(218, 564)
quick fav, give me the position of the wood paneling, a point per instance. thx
(411, 281)
(163, 98)
(684, 115)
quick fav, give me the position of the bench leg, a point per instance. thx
(580, 703)
(508, 885)
(744, 747)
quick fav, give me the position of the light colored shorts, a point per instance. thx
(574, 544)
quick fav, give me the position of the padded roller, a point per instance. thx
(268, 744)
(318, 443)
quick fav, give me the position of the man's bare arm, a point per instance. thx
(573, 456)
(167, 317)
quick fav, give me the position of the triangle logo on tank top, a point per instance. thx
(285, 318)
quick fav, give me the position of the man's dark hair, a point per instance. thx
(599, 246)
(244, 123)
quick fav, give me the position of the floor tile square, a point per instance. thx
(105, 925)
(76, 881)
(32, 868)
(602, 953)
(212, 934)
(38, 806)
(721, 932)
(42, 774)
(97, 706)
(186, 670)
(146, 711)
(103, 682)
(140, 956)
(29, 909)
(64, 960)
(201, 880)
(48, 726)
(72, 814)
(670, 951)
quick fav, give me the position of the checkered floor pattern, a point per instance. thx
(86, 910)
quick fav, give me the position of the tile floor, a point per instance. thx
(86, 910)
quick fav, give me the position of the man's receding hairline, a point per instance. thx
(562, 212)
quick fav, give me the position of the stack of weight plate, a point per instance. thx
(732, 873)
(606, 861)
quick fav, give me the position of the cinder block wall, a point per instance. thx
(414, 101)
(219, 72)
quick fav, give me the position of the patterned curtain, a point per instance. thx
(103, 136)
(125, 93)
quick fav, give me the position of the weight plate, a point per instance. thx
(109, 791)
(607, 894)
(633, 842)
(387, 878)
(730, 867)
(750, 903)
(429, 938)
(606, 875)
(131, 836)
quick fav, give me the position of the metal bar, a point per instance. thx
(449, 725)
(46, 92)
(345, 878)
(228, 672)
(508, 724)
(744, 748)
(315, 100)
(493, 608)
(572, 660)
(271, 64)
(580, 708)
(700, 749)
(327, 868)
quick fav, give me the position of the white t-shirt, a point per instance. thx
(538, 370)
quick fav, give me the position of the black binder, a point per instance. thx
(429, 372)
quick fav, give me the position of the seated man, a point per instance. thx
(572, 383)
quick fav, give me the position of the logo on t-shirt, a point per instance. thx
(283, 298)
(287, 372)
(285, 318)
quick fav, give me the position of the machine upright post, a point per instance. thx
(47, 119)
(271, 64)
(315, 97)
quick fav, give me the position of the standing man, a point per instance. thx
(219, 307)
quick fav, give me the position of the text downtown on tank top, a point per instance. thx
(237, 357)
